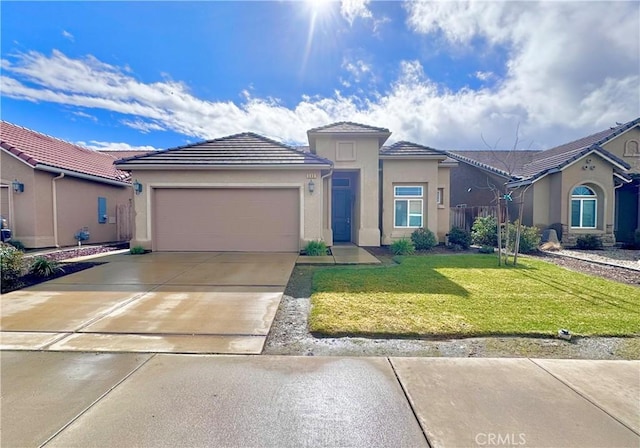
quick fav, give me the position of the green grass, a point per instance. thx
(468, 295)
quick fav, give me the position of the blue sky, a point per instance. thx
(452, 75)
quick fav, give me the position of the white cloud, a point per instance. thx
(484, 76)
(143, 126)
(67, 35)
(571, 65)
(113, 146)
(353, 9)
(562, 81)
(81, 114)
(358, 69)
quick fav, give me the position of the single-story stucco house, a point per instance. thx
(51, 189)
(587, 186)
(246, 192)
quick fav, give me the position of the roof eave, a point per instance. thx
(91, 177)
(301, 166)
(412, 156)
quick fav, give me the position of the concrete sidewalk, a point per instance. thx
(92, 399)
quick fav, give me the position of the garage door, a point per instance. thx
(225, 219)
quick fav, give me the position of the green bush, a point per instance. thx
(423, 239)
(11, 263)
(316, 248)
(402, 247)
(17, 244)
(460, 237)
(484, 231)
(529, 239)
(44, 267)
(137, 250)
(486, 250)
(589, 242)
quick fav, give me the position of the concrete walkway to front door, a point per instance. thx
(201, 302)
(342, 253)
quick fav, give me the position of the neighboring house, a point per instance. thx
(588, 186)
(50, 189)
(246, 192)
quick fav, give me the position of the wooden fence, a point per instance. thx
(463, 217)
(124, 220)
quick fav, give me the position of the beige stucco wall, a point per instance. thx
(621, 145)
(22, 205)
(443, 209)
(32, 211)
(411, 172)
(366, 231)
(78, 207)
(311, 204)
(600, 178)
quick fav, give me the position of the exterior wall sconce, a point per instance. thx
(137, 187)
(312, 186)
(18, 187)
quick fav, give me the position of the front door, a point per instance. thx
(341, 214)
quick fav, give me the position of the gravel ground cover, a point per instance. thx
(289, 334)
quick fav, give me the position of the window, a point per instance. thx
(583, 208)
(408, 206)
(102, 210)
(440, 196)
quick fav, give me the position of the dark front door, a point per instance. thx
(341, 214)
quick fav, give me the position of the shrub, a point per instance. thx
(529, 239)
(484, 231)
(316, 248)
(486, 250)
(11, 263)
(456, 247)
(423, 239)
(17, 244)
(589, 242)
(137, 250)
(44, 267)
(461, 237)
(402, 247)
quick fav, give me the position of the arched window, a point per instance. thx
(584, 204)
(631, 148)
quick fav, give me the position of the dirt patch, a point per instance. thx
(289, 333)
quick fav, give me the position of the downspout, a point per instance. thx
(55, 208)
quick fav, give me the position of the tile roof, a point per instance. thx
(348, 127)
(43, 151)
(409, 149)
(531, 165)
(121, 154)
(247, 149)
(499, 162)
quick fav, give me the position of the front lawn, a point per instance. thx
(468, 295)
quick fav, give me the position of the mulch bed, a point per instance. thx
(30, 279)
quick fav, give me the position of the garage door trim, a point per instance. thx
(151, 187)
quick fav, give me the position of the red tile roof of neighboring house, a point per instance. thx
(45, 152)
(240, 150)
(123, 154)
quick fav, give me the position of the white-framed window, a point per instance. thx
(440, 196)
(584, 206)
(407, 206)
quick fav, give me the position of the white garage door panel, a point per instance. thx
(224, 219)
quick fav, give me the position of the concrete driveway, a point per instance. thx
(204, 302)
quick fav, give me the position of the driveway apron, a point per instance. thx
(203, 302)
